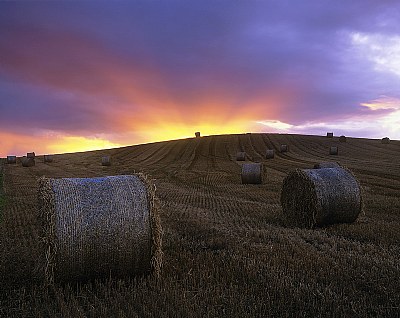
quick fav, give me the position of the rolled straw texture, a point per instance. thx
(284, 148)
(106, 161)
(241, 156)
(30, 155)
(99, 227)
(28, 162)
(333, 150)
(319, 197)
(270, 153)
(11, 159)
(328, 164)
(252, 173)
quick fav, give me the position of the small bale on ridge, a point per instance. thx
(47, 158)
(333, 150)
(342, 138)
(11, 159)
(241, 156)
(385, 140)
(284, 148)
(30, 155)
(197, 134)
(28, 162)
(270, 153)
(106, 161)
(329, 134)
(252, 173)
(99, 227)
(319, 197)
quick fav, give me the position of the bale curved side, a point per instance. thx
(100, 227)
(386, 140)
(252, 173)
(270, 153)
(48, 158)
(319, 197)
(342, 138)
(28, 162)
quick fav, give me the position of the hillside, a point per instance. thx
(226, 250)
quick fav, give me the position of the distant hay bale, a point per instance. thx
(342, 138)
(106, 161)
(28, 162)
(99, 227)
(197, 134)
(318, 197)
(328, 164)
(48, 158)
(329, 134)
(270, 153)
(30, 155)
(333, 150)
(284, 148)
(385, 140)
(241, 156)
(252, 173)
(11, 159)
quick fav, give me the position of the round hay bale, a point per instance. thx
(197, 134)
(241, 156)
(106, 161)
(99, 227)
(333, 150)
(385, 140)
(329, 134)
(270, 153)
(48, 158)
(11, 159)
(327, 164)
(252, 173)
(284, 148)
(318, 197)
(28, 162)
(30, 155)
(342, 138)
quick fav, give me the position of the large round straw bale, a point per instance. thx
(99, 227)
(241, 156)
(329, 134)
(385, 140)
(106, 161)
(327, 164)
(270, 153)
(284, 148)
(11, 159)
(252, 173)
(342, 138)
(28, 162)
(30, 155)
(48, 158)
(197, 134)
(319, 197)
(333, 150)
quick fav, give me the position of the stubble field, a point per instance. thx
(226, 250)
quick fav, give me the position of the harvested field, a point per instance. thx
(226, 250)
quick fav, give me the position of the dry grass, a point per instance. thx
(326, 164)
(241, 156)
(226, 250)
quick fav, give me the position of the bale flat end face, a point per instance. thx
(100, 227)
(270, 153)
(319, 197)
(252, 173)
(284, 148)
(334, 150)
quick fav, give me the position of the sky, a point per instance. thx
(84, 75)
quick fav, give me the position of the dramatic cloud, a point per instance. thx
(117, 73)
